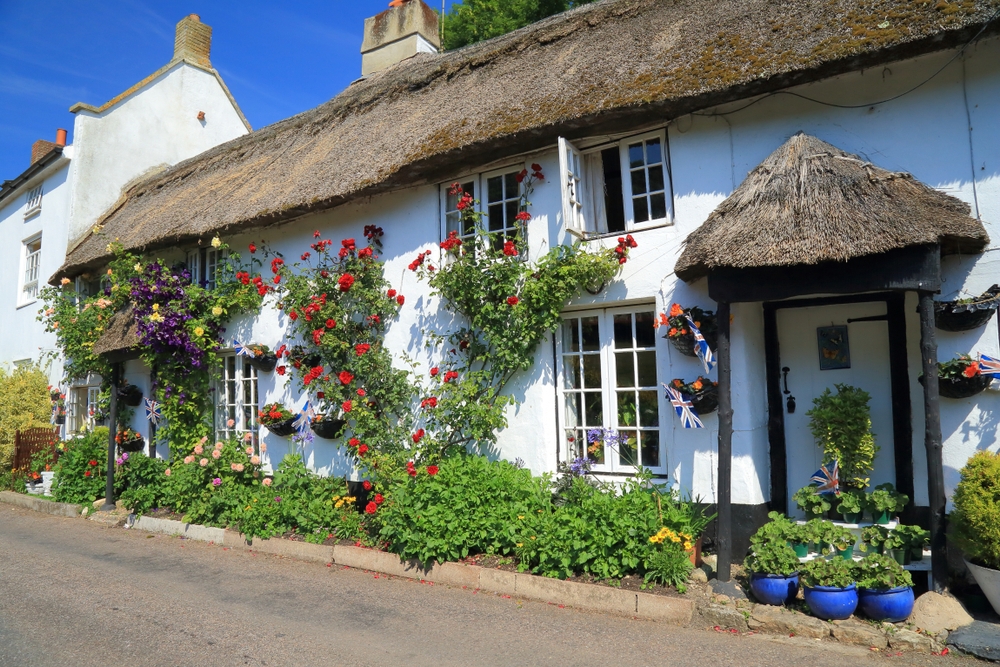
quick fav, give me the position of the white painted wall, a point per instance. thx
(156, 126)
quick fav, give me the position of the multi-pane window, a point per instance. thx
(236, 394)
(611, 404)
(34, 202)
(32, 261)
(83, 407)
(203, 264)
(453, 216)
(646, 176)
(500, 201)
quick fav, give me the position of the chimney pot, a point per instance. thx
(193, 40)
(60, 137)
(407, 28)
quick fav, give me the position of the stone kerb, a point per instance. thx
(191, 531)
(314, 553)
(38, 505)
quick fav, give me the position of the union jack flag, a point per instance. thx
(153, 412)
(304, 419)
(683, 407)
(242, 349)
(989, 365)
(701, 347)
(827, 479)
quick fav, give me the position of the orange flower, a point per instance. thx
(675, 310)
(672, 332)
(678, 383)
(698, 324)
(971, 371)
(696, 385)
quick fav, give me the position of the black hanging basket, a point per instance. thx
(329, 429)
(60, 419)
(264, 363)
(282, 428)
(685, 344)
(131, 395)
(134, 445)
(962, 387)
(953, 316)
(706, 401)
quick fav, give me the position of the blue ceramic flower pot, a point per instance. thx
(831, 603)
(893, 605)
(775, 589)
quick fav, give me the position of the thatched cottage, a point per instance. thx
(800, 168)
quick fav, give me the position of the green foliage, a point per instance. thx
(912, 537)
(835, 572)
(668, 564)
(772, 558)
(977, 510)
(12, 480)
(605, 534)
(77, 324)
(839, 537)
(24, 403)
(471, 505)
(880, 539)
(841, 424)
(959, 368)
(811, 502)
(302, 502)
(140, 482)
(852, 501)
(80, 473)
(683, 515)
(472, 21)
(885, 498)
(210, 489)
(876, 572)
(779, 530)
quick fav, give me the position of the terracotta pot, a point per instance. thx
(695, 554)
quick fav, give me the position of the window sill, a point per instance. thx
(31, 213)
(594, 236)
(27, 303)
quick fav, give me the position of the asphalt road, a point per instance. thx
(74, 593)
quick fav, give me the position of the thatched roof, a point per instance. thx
(120, 336)
(810, 202)
(607, 66)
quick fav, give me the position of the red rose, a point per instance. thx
(320, 394)
(362, 449)
(253, 248)
(345, 377)
(293, 316)
(400, 299)
(86, 474)
(391, 293)
(450, 375)
(305, 255)
(379, 499)
(346, 406)
(535, 166)
(353, 442)
(361, 348)
(523, 216)
(362, 392)
(513, 301)
(367, 485)
(277, 279)
(434, 371)
(280, 370)
(971, 371)
(418, 435)
(432, 470)
(93, 462)
(316, 234)
(509, 249)
(371, 508)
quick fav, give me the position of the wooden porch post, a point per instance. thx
(724, 520)
(109, 487)
(932, 440)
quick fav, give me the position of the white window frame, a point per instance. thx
(30, 271)
(609, 390)
(203, 263)
(81, 413)
(234, 380)
(579, 205)
(33, 201)
(480, 183)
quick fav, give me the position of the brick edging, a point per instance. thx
(38, 505)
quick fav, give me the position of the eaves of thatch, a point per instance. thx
(810, 202)
(120, 336)
(603, 67)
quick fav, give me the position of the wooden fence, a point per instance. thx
(29, 442)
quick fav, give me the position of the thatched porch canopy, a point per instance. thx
(809, 203)
(120, 338)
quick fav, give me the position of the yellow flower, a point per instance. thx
(340, 503)
(198, 331)
(110, 272)
(217, 311)
(137, 267)
(216, 242)
(156, 306)
(520, 516)
(520, 544)
(156, 317)
(532, 537)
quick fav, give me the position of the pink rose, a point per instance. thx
(232, 466)
(267, 481)
(239, 467)
(188, 459)
(198, 449)
(249, 451)
(230, 423)
(203, 463)
(255, 460)
(219, 446)
(167, 472)
(263, 447)
(247, 437)
(216, 454)
(204, 439)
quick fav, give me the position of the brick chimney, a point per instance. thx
(41, 148)
(193, 40)
(407, 28)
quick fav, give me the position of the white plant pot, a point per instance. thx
(989, 581)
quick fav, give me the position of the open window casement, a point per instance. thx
(570, 181)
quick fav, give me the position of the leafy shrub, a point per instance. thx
(80, 472)
(772, 558)
(604, 534)
(977, 510)
(211, 485)
(841, 424)
(24, 403)
(140, 482)
(470, 505)
(667, 562)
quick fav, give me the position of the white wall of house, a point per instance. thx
(154, 127)
(925, 132)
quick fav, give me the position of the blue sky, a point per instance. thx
(278, 58)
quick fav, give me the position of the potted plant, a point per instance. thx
(328, 427)
(851, 505)
(976, 520)
(885, 502)
(60, 416)
(129, 441)
(704, 394)
(812, 503)
(885, 589)
(966, 314)
(915, 538)
(774, 573)
(841, 539)
(277, 418)
(679, 329)
(130, 394)
(829, 589)
(885, 541)
(842, 426)
(263, 359)
(781, 530)
(960, 377)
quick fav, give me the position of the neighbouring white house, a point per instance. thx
(173, 114)
(796, 167)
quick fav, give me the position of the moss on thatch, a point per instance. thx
(810, 202)
(603, 67)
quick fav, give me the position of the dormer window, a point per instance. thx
(33, 206)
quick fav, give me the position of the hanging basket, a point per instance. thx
(283, 428)
(134, 445)
(706, 401)
(131, 395)
(60, 419)
(685, 344)
(962, 387)
(954, 316)
(264, 363)
(329, 429)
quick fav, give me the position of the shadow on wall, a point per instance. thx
(982, 430)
